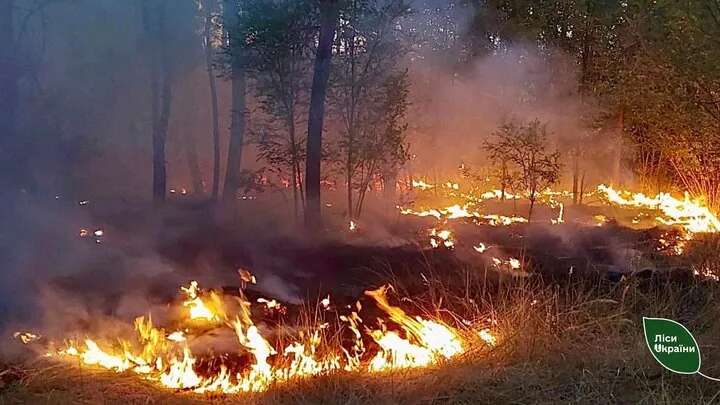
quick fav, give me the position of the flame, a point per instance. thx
(692, 215)
(26, 337)
(270, 304)
(246, 276)
(510, 264)
(431, 341)
(325, 302)
(487, 337)
(480, 248)
(559, 219)
(422, 185)
(166, 358)
(352, 226)
(177, 336)
(199, 309)
(441, 237)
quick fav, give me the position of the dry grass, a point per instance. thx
(568, 342)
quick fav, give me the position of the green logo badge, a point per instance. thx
(672, 345)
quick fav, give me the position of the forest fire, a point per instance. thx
(691, 216)
(399, 341)
(325, 201)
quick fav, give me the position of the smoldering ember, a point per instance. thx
(358, 201)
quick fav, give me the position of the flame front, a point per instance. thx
(167, 358)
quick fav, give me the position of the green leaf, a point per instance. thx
(672, 345)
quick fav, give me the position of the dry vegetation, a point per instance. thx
(574, 341)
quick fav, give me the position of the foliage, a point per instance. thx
(369, 94)
(278, 38)
(523, 148)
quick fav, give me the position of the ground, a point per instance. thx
(562, 337)
(557, 344)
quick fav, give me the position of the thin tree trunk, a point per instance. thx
(389, 186)
(532, 204)
(348, 179)
(161, 92)
(295, 192)
(618, 148)
(160, 137)
(191, 156)
(237, 122)
(328, 20)
(576, 173)
(582, 187)
(503, 182)
(210, 7)
(295, 168)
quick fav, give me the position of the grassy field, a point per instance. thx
(567, 342)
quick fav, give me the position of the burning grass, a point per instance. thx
(435, 333)
(575, 342)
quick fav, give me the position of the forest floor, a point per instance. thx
(581, 343)
(562, 337)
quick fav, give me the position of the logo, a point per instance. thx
(673, 346)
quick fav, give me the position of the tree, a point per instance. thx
(381, 148)
(231, 16)
(329, 11)
(279, 50)
(587, 32)
(524, 148)
(154, 23)
(366, 87)
(210, 42)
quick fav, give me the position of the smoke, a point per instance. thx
(456, 109)
(87, 115)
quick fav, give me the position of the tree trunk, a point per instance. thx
(532, 204)
(161, 92)
(328, 20)
(576, 173)
(348, 179)
(618, 148)
(390, 186)
(295, 167)
(160, 137)
(8, 95)
(582, 187)
(210, 7)
(191, 156)
(503, 181)
(237, 122)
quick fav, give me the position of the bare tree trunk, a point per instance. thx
(618, 148)
(8, 94)
(237, 122)
(348, 179)
(191, 156)
(161, 92)
(160, 139)
(210, 7)
(576, 173)
(349, 197)
(295, 192)
(532, 204)
(296, 180)
(390, 185)
(329, 12)
(503, 182)
(582, 187)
